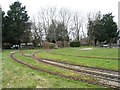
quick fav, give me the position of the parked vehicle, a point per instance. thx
(14, 46)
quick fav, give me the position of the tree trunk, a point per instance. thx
(110, 43)
(95, 42)
(100, 43)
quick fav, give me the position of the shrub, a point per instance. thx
(56, 47)
(51, 45)
(66, 44)
(48, 45)
(6, 46)
(59, 44)
(75, 44)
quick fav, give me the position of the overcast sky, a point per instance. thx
(84, 6)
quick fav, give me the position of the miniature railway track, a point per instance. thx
(112, 83)
(64, 62)
(111, 76)
(83, 70)
(100, 58)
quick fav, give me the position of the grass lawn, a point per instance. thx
(15, 75)
(30, 51)
(97, 52)
(92, 62)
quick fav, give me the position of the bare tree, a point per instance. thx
(34, 31)
(40, 32)
(76, 26)
(46, 15)
(52, 11)
(65, 16)
(43, 16)
(92, 19)
(37, 32)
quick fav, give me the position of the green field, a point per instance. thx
(16, 75)
(98, 52)
(92, 62)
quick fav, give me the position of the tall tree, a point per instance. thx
(95, 28)
(16, 22)
(0, 28)
(51, 36)
(61, 32)
(26, 36)
(3, 26)
(99, 34)
(5, 31)
(90, 28)
(57, 32)
(110, 27)
(102, 28)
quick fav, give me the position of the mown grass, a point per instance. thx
(92, 62)
(30, 51)
(97, 52)
(15, 75)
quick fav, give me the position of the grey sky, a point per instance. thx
(84, 6)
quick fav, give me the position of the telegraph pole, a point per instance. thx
(0, 47)
(0, 28)
(118, 42)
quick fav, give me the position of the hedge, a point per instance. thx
(74, 44)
